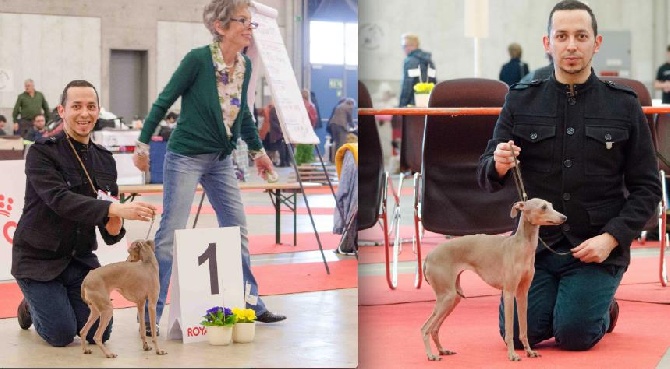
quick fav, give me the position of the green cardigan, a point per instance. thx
(200, 129)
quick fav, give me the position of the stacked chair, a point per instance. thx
(373, 180)
(660, 131)
(447, 198)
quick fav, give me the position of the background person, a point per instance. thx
(662, 81)
(3, 123)
(54, 241)
(414, 58)
(599, 172)
(214, 113)
(512, 71)
(28, 105)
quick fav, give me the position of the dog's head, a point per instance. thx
(141, 250)
(538, 212)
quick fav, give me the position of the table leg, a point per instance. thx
(295, 219)
(277, 219)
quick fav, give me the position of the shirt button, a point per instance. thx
(566, 227)
(566, 196)
(567, 163)
(608, 136)
(533, 136)
(571, 131)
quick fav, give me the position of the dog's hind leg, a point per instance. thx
(106, 313)
(92, 317)
(152, 319)
(143, 331)
(435, 333)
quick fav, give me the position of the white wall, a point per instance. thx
(440, 26)
(51, 50)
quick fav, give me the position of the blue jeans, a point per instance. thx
(568, 300)
(56, 307)
(181, 175)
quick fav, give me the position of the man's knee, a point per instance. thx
(578, 336)
(58, 335)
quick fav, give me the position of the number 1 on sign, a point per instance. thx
(210, 254)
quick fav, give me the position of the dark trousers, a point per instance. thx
(56, 307)
(25, 128)
(568, 300)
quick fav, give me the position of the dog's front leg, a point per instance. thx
(508, 299)
(522, 314)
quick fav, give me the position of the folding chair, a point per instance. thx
(373, 181)
(447, 197)
(660, 131)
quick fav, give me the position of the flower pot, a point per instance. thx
(244, 332)
(421, 100)
(220, 335)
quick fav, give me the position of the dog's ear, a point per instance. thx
(518, 206)
(134, 251)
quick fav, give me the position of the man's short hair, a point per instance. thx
(77, 83)
(410, 39)
(3, 119)
(573, 5)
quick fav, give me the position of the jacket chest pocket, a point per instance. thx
(105, 182)
(73, 179)
(537, 143)
(604, 149)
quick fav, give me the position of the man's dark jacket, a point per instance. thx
(590, 155)
(61, 210)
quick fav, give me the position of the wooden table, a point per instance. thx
(280, 193)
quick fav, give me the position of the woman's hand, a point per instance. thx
(263, 164)
(141, 161)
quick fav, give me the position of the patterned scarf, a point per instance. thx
(229, 85)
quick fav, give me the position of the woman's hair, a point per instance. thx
(221, 10)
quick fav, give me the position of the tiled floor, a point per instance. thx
(321, 329)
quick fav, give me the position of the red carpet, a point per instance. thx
(265, 244)
(259, 210)
(640, 283)
(375, 254)
(389, 337)
(275, 279)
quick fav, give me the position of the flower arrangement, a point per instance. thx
(245, 315)
(424, 87)
(219, 316)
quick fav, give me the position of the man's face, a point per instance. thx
(39, 122)
(572, 43)
(80, 112)
(29, 87)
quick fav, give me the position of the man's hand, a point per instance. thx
(136, 210)
(503, 156)
(595, 249)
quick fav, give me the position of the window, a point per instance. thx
(334, 43)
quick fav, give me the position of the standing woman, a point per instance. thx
(212, 82)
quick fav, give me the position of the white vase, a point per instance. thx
(421, 100)
(220, 335)
(244, 332)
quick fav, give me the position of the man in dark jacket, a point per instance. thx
(417, 67)
(70, 182)
(584, 145)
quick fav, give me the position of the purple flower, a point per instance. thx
(235, 101)
(224, 78)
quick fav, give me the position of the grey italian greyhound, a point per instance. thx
(504, 262)
(136, 279)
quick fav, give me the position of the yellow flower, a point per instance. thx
(424, 87)
(245, 315)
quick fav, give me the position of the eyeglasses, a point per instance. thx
(246, 22)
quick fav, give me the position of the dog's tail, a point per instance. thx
(459, 291)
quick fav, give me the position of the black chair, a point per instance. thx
(372, 179)
(659, 130)
(447, 197)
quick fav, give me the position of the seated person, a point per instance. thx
(38, 128)
(167, 126)
(3, 122)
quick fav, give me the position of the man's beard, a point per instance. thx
(580, 70)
